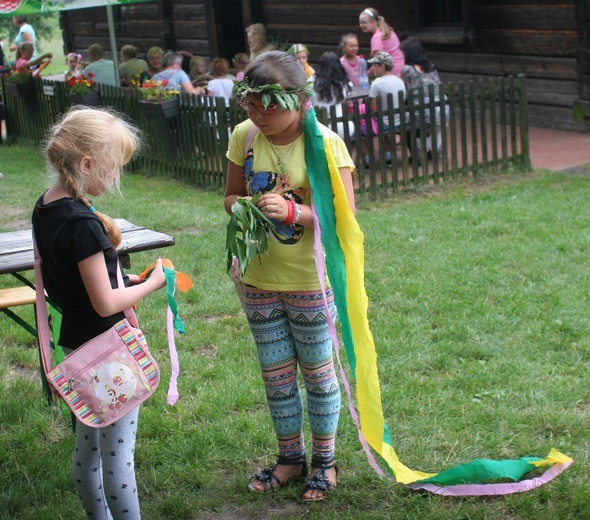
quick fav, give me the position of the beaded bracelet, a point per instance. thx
(296, 213)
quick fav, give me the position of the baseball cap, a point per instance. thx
(382, 57)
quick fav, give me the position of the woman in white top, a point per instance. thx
(330, 88)
(220, 85)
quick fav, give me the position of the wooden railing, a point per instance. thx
(483, 127)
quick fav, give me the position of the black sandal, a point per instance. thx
(319, 480)
(270, 481)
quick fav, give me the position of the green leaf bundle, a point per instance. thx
(246, 233)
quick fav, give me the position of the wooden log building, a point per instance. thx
(547, 40)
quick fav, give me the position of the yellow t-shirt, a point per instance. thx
(289, 264)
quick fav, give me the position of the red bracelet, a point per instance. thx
(290, 213)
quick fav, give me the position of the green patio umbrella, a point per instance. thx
(9, 8)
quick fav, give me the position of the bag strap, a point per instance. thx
(250, 136)
(41, 309)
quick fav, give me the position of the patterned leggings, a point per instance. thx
(291, 329)
(104, 472)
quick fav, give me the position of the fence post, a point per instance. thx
(524, 122)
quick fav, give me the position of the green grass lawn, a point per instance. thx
(58, 63)
(478, 299)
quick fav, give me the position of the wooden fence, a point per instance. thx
(483, 128)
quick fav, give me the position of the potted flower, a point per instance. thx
(19, 83)
(81, 90)
(158, 100)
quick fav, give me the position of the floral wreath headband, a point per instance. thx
(285, 99)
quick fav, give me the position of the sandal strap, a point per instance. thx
(266, 476)
(291, 461)
(319, 481)
(320, 463)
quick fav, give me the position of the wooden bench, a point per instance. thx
(15, 297)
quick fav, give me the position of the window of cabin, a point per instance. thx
(442, 21)
(441, 12)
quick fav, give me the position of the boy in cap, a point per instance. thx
(384, 84)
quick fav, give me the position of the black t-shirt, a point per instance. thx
(66, 233)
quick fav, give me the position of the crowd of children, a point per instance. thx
(383, 72)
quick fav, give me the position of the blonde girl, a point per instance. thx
(24, 57)
(240, 61)
(86, 151)
(283, 299)
(74, 68)
(198, 72)
(353, 64)
(383, 37)
(301, 53)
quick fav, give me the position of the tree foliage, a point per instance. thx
(46, 27)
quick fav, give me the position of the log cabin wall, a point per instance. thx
(167, 24)
(541, 39)
(548, 40)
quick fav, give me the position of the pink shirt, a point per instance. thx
(392, 46)
(353, 71)
(21, 63)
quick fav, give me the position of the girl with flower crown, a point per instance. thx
(274, 154)
(73, 61)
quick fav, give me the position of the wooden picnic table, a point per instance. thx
(16, 247)
(17, 256)
(357, 93)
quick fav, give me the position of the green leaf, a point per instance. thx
(281, 102)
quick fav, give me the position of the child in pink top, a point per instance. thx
(354, 65)
(383, 39)
(24, 55)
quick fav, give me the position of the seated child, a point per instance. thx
(25, 53)
(354, 65)
(198, 72)
(240, 61)
(73, 61)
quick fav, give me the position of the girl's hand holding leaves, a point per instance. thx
(246, 233)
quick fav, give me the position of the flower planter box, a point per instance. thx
(160, 109)
(91, 99)
(19, 90)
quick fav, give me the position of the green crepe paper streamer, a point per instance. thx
(322, 195)
(170, 275)
(170, 285)
(480, 470)
(323, 199)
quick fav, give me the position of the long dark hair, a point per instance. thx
(415, 54)
(330, 80)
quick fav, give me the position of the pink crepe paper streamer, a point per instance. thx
(508, 488)
(319, 262)
(172, 387)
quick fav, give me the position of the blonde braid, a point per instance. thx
(100, 134)
(112, 230)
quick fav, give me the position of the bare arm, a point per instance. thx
(346, 175)
(31, 63)
(235, 186)
(107, 301)
(187, 87)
